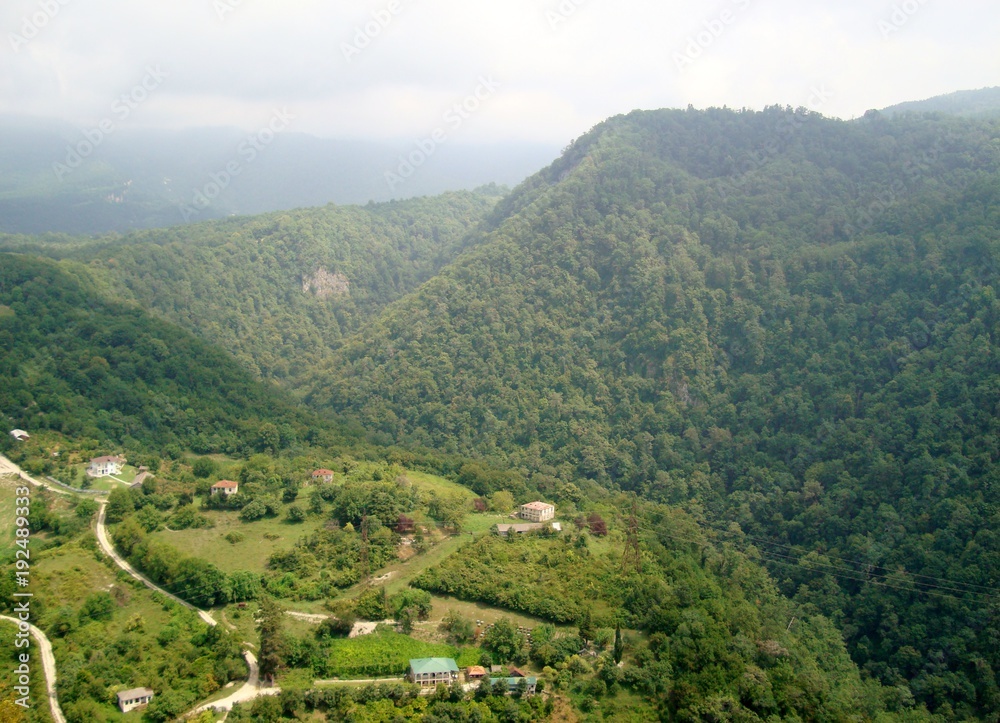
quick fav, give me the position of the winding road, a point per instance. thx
(248, 691)
(109, 550)
(251, 688)
(48, 665)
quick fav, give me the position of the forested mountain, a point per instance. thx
(971, 103)
(278, 291)
(137, 179)
(112, 373)
(775, 319)
(783, 323)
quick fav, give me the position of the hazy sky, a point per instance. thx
(544, 70)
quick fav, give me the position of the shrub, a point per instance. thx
(253, 511)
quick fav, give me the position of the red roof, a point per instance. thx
(323, 473)
(225, 484)
(102, 460)
(537, 506)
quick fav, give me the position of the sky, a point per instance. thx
(541, 71)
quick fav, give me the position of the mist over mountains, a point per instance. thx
(58, 178)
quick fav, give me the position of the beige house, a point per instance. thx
(225, 487)
(132, 699)
(537, 511)
(104, 466)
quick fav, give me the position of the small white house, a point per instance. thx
(537, 511)
(132, 699)
(20, 435)
(225, 487)
(104, 466)
(322, 475)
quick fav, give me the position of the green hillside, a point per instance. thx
(771, 318)
(77, 364)
(277, 291)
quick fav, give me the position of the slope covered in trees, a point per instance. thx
(278, 291)
(88, 368)
(772, 318)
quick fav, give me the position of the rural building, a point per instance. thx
(324, 475)
(225, 487)
(475, 672)
(20, 435)
(538, 511)
(143, 475)
(104, 466)
(132, 699)
(428, 672)
(513, 683)
(506, 530)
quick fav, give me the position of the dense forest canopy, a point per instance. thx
(88, 368)
(772, 318)
(278, 291)
(783, 323)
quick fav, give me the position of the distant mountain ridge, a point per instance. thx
(58, 178)
(966, 103)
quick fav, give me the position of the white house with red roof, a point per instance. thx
(225, 487)
(325, 475)
(105, 466)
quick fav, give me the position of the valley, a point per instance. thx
(748, 357)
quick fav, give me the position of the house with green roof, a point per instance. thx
(428, 672)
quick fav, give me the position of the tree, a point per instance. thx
(253, 511)
(273, 647)
(460, 629)
(597, 526)
(503, 640)
(295, 514)
(119, 505)
(586, 625)
(501, 502)
(85, 509)
(619, 648)
(204, 467)
(404, 525)
(97, 606)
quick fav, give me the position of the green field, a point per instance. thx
(439, 485)
(261, 539)
(7, 485)
(380, 654)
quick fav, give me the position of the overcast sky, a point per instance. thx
(392, 69)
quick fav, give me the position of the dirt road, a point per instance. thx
(48, 665)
